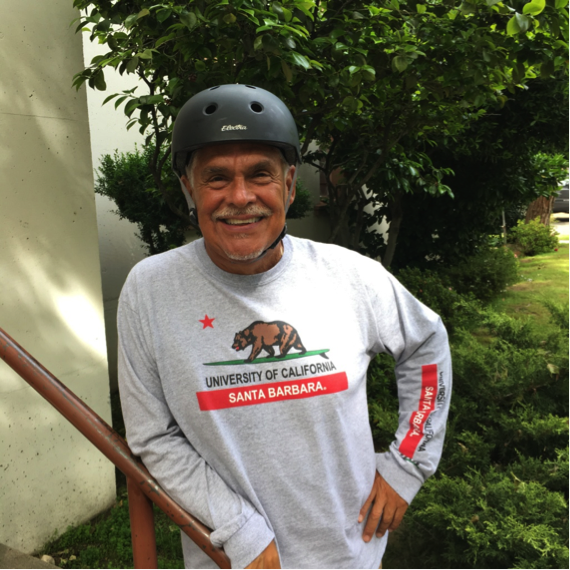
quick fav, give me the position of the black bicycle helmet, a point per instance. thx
(231, 113)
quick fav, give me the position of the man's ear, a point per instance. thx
(288, 180)
(187, 185)
(186, 182)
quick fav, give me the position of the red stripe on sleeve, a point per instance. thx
(425, 406)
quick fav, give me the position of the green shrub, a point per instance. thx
(486, 520)
(500, 496)
(534, 238)
(126, 180)
(484, 275)
(455, 310)
(559, 312)
(303, 203)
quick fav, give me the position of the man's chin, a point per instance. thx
(244, 256)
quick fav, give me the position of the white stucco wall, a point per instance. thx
(119, 247)
(51, 301)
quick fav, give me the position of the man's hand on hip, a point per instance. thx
(388, 509)
(269, 558)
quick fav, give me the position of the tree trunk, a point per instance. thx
(540, 208)
(397, 214)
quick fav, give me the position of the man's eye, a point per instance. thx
(216, 180)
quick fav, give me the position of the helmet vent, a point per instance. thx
(256, 107)
(212, 88)
(251, 87)
(210, 109)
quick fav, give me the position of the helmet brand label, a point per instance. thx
(234, 128)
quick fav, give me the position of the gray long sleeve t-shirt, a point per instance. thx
(245, 396)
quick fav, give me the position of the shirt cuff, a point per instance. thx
(248, 542)
(406, 483)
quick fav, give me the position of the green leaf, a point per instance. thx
(286, 71)
(357, 16)
(351, 103)
(164, 39)
(199, 65)
(513, 26)
(131, 106)
(290, 43)
(132, 65)
(99, 81)
(146, 54)
(154, 99)
(229, 18)
(394, 4)
(534, 7)
(258, 42)
(119, 101)
(188, 19)
(421, 8)
(144, 12)
(300, 60)
(130, 20)
(112, 42)
(560, 4)
(251, 14)
(163, 14)
(523, 22)
(399, 63)
(107, 99)
(553, 369)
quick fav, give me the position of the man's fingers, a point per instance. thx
(376, 513)
(394, 521)
(387, 518)
(366, 506)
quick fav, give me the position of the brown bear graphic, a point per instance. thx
(265, 336)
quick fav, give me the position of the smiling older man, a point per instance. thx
(243, 359)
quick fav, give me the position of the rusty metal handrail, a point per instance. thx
(115, 448)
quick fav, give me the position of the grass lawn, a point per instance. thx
(543, 278)
(105, 541)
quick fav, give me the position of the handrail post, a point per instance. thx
(142, 527)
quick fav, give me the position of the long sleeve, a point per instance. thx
(154, 435)
(416, 338)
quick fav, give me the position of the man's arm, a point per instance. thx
(416, 338)
(154, 435)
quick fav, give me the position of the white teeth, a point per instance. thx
(241, 222)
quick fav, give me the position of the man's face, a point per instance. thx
(240, 190)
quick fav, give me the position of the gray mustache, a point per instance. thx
(230, 211)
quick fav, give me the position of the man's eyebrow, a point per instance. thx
(210, 170)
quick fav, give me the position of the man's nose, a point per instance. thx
(240, 193)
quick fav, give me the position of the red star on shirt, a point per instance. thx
(207, 322)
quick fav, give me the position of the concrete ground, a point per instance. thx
(559, 223)
(10, 558)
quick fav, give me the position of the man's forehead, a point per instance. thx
(244, 151)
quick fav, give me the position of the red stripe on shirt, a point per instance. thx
(274, 392)
(425, 406)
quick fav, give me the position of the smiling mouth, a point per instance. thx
(234, 222)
